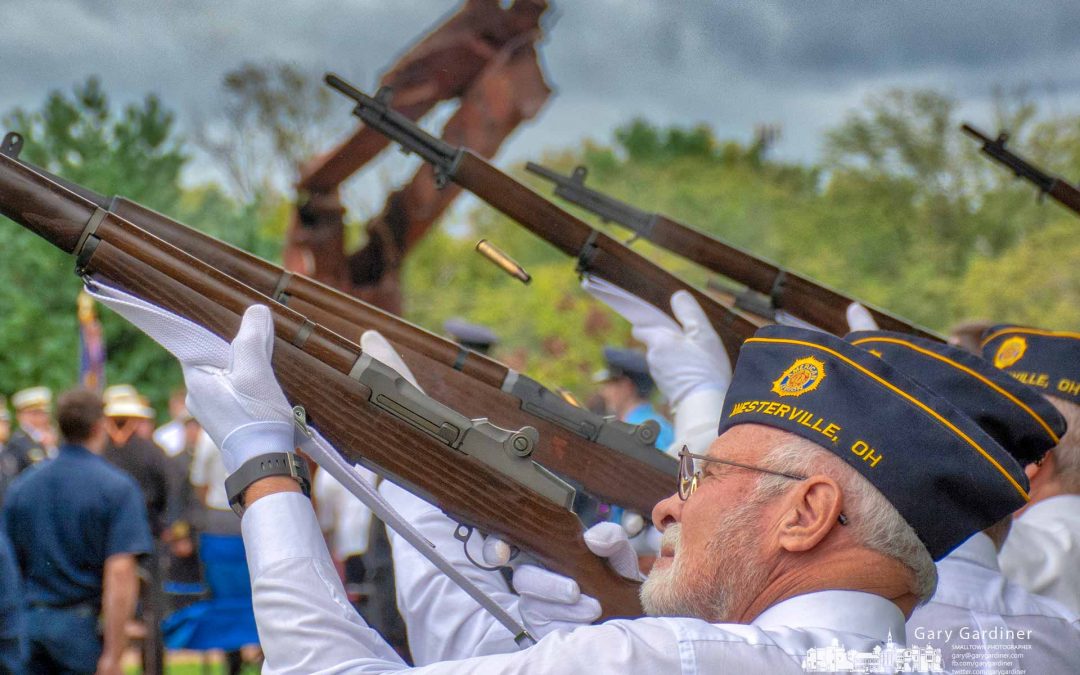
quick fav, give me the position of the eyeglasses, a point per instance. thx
(689, 476)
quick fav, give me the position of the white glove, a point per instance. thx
(232, 390)
(785, 318)
(378, 348)
(860, 318)
(682, 358)
(551, 602)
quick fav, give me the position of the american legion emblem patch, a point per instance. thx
(802, 376)
(1010, 351)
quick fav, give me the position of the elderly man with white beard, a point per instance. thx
(832, 485)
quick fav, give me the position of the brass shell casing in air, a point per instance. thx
(503, 261)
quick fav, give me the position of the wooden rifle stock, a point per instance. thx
(596, 253)
(469, 469)
(611, 460)
(1059, 189)
(804, 298)
(471, 383)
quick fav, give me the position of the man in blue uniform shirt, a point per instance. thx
(626, 387)
(12, 636)
(77, 524)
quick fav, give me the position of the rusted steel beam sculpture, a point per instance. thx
(484, 55)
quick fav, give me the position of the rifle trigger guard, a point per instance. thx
(463, 533)
(587, 253)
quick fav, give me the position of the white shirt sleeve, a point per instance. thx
(306, 623)
(443, 622)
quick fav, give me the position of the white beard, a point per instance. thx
(711, 593)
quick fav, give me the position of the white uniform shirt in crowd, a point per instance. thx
(306, 624)
(341, 515)
(1042, 552)
(207, 470)
(984, 623)
(170, 437)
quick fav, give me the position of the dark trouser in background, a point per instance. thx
(63, 641)
(379, 608)
(153, 611)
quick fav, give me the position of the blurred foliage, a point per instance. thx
(134, 152)
(902, 211)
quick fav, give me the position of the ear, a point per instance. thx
(1043, 470)
(812, 510)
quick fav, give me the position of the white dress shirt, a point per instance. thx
(981, 621)
(1042, 552)
(170, 437)
(208, 471)
(344, 518)
(306, 624)
(443, 622)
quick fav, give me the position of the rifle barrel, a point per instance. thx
(780, 288)
(972, 131)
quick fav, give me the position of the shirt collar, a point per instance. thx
(73, 449)
(978, 550)
(1061, 506)
(843, 611)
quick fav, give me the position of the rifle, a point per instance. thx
(1058, 188)
(596, 253)
(481, 475)
(769, 287)
(615, 461)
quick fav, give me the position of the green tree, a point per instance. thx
(135, 152)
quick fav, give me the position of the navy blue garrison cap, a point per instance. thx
(945, 475)
(627, 363)
(1017, 417)
(471, 335)
(1047, 360)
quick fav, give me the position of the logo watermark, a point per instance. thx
(888, 658)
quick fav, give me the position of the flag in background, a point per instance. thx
(92, 346)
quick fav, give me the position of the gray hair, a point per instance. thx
(875, 523)
(1067, 451)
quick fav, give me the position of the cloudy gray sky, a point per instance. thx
(804, 65)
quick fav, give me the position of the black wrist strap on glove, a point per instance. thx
(271, 464)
